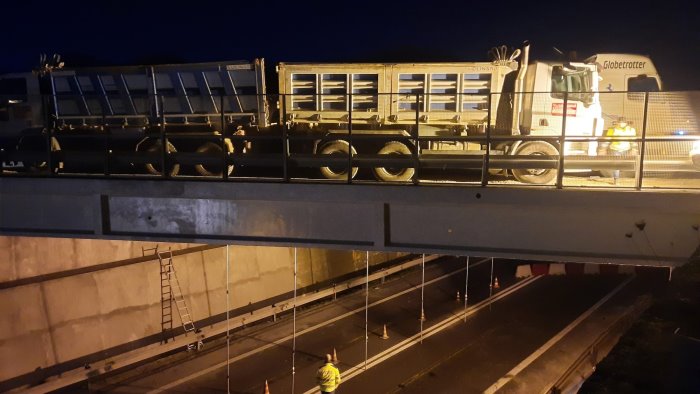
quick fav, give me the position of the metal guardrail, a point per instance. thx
(284, 153)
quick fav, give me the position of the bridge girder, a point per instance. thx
(572, 225)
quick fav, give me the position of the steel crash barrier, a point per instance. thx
(458, 134)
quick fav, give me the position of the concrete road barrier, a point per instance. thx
(557, 269)
(523, 271)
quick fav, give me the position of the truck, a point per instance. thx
(506, 115)
(423, 109)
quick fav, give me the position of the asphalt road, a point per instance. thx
(464, 357)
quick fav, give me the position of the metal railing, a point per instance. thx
(411, 138)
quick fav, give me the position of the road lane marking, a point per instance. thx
(414, 340)
(539, 352)
(305, 331)
(154, 350)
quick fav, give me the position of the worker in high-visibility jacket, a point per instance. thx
(620, 148)
(328, 376)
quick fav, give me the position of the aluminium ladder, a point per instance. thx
(166, 300)
(171, 292)
(168, 271)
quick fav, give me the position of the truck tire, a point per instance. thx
(540, 176)
(339, 147)
(154, 168)
(500, 171)
(214, 149)
(389, 174)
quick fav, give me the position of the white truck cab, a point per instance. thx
(543, 110)
(624, 80)
(623, 72)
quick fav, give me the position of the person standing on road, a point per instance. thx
(328, 376)
(620, 148)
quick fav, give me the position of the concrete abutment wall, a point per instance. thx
(50, 319)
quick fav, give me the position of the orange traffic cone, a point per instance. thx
(385, 335)
(495, 284)
(335, 357)
(267, 388)
(458, 296)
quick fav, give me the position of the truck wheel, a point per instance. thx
(154, 168)
(499, 171)
(214, 149)
(540, 176)
(340, 148)
(394, 174)
(43, 166)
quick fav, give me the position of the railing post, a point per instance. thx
(416, 141)
(224, 153)
(163, 142)
(485, 165)
(285, 137)
(640, 165)
(350, 137)
(107, 145)
(562, 143)
(49, 159)
(49, 156)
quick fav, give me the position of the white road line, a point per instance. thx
(302, 332)
(414, 340)
(539, 352)
(154, 350)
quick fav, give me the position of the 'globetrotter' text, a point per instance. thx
(608, 64)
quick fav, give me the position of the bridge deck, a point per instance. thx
(653, 227)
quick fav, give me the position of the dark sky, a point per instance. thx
(110, 32)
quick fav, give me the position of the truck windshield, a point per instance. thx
(577, 83)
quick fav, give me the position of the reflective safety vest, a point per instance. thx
(621, 146)
(328, 377)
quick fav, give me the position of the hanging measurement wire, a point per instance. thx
(366, 304)
(422, 293)
(228, 315)
(466, 291)
(491, 283)
(294, 322)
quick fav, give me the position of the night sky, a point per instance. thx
(108, 32)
